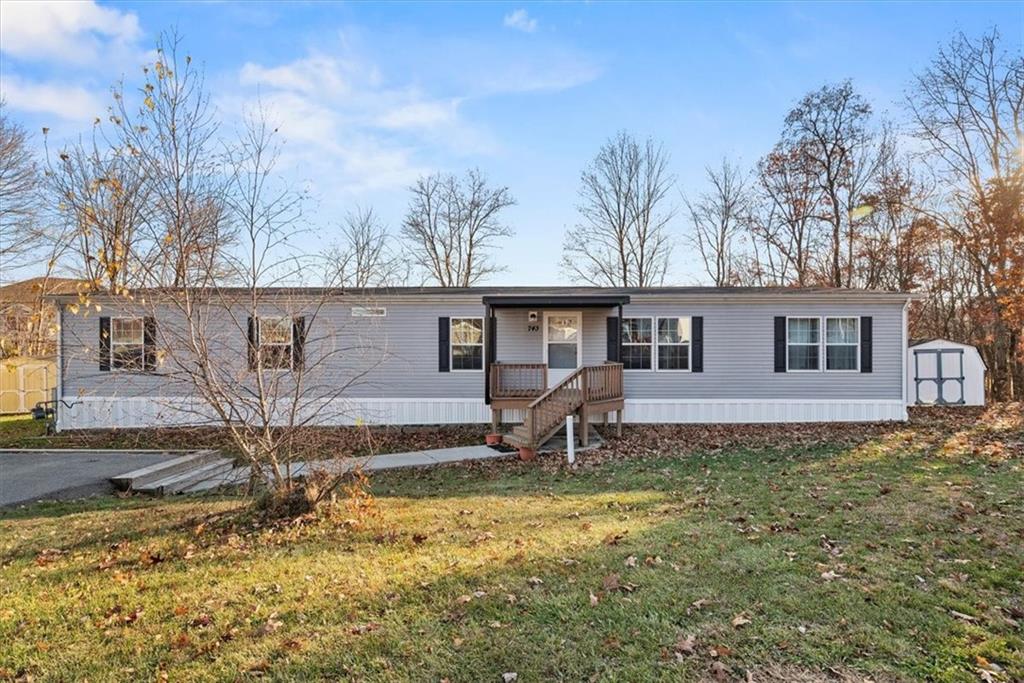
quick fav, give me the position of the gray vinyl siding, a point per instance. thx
(397, 356)
(739, 356)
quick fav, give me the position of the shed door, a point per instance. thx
(939, 377)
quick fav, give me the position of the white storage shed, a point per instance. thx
(944, 372)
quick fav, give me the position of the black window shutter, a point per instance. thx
(697, 344)
(443, 346)
(253, 342)
(105, 344)
(149, 344)
(865, 343)
(780, 343)
(613, 339)
(298, 343)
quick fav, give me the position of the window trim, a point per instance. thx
(657, 345)
(260, 344)
(117, 368)
(821, 363)
(825, 344)
(654, 336)
(452, 344)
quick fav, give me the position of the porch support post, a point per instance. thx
(490, 329)
(618, 422)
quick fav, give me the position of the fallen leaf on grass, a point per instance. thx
(149, 558)
(271, 625)
(740, 620)
(593, 600)
(631, 561)
(47, 556)
(613, 582)
(686, 645)
(201, 621)
(613, 538)
(509, 677)
(535, 581)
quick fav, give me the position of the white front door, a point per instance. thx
(563, 344)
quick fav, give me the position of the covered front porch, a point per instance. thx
(550, 357)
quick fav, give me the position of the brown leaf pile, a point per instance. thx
(995, 432)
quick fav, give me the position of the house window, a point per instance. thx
(127, 343)
(803, 343)
(673, 343)
(467, 335)
(637, 343)
(842, 343)
(275, 343)
(369, 312)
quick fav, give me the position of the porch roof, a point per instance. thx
(556, 301)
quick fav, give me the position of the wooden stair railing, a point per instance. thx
(546, 415)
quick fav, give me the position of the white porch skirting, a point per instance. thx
(98, 413)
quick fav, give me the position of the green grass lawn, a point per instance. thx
(897, 556)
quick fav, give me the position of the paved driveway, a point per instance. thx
(27, 476)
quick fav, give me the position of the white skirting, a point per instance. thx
(717, 411)
(98, 413)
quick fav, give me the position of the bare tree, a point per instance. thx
(19, 194)
(830, 127)
(967, 109)
(172, 134)
(783, 223)
(896, 238)
(452, 225)
(100, 193)
(251, 356)
(365, 258)
(622, 238)
(718, 217)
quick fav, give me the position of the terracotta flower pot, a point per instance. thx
(492, 439)
(527, 454)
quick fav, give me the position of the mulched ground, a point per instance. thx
(996, 430)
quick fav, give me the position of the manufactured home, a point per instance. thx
(529, 355)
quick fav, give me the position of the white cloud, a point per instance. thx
(74, 32)
(350, 128)
(68, 102)
(521, 21)
(420, 115)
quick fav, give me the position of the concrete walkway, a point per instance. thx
(389, 461)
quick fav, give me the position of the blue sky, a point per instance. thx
(369, 96)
